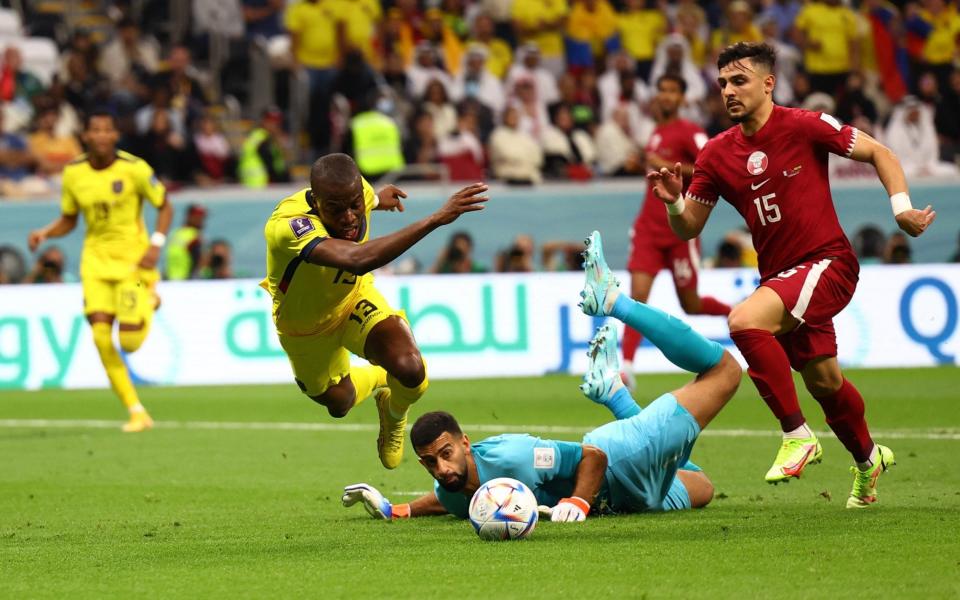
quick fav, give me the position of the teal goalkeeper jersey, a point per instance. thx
(547, 467)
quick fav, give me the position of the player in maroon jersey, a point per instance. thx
(772, 167)
(653, 245)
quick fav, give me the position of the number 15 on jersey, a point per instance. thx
(768, 211)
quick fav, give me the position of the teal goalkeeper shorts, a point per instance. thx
(644, 453)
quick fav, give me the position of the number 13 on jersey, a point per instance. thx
(768, 211)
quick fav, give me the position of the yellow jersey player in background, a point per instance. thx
(118, 266)
(319, 259)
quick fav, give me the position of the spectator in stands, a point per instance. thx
(620, 69)
(673, 56)
(49, 268)
(15, 157)
(527, 67)
(476, 81)
(618, 153)
(359, 20)
(17, 84)
(942, 25)
(185, 245)
(454, 15)
(584, 115)
(160, 101)
(186, 93)
(315, 49)
(397, 37)
(869, 243)
(457, 256)
(499, 54)
(827, 33)
(534, 119)
(515, 156)
(855, 103)
(782, 13)
(641, 27)
(84, 88)
(129, 60)
(68, 119)
(518, 258)
(436, 31)
(718, 120)
(165, 149)
(373, 138)
(263, 18)
(897, 251)
(83, 48)
(263, 158)
(420, 147)
(691, 23)
(217, 262)
(436, 101)
(945, 114)
(729, 255)
(569, 152)
(801, 88)
(12, 265)
(355, 80)
(540, 24)
(49, 151)
(214, 160)
(789, 58)
(912, 136)
(561, 256)
(739, 27)
(461, 150)
(424, 70)
(591, 27)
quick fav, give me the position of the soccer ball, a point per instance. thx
(503, 509)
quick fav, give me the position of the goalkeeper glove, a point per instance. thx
(570, 509)
(373, 501)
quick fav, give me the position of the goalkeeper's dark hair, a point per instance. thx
(759, 53)
(431, 425)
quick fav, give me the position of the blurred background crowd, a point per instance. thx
(520, 91)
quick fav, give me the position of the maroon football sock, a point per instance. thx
(769, 369)
(712, 306)
(631, 341)
(844, 410)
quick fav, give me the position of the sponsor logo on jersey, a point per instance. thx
(757, 163)
(301, 226)
(543, 458)
(118, 186)
(793, 172)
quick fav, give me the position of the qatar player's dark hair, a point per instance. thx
(759, 53)
(431, 425)
(675, 78)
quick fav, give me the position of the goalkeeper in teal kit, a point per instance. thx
(637, 463)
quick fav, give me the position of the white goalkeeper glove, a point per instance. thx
(570, 509)
(373, 501)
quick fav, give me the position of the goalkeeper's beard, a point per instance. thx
(457, 485)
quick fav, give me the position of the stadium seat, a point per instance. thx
(41, 57)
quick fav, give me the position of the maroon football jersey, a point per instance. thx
(777, 180)
(675, 141)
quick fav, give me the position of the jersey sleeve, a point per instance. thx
(68, 202)
(703, 188)
(148, 185)
(828, 133)
(297, 235)
(370, 198)
(292, 19)
(556, 459)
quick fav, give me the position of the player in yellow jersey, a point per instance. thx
(118, 267)
(319, 259)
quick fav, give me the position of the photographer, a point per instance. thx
(49, 268)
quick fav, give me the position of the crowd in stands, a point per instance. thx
(516, 90)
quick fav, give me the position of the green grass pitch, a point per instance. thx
(221, 501)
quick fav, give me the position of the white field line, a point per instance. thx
(940, 433)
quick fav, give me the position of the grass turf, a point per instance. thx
(179, 511)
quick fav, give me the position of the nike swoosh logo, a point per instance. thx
(757, 186)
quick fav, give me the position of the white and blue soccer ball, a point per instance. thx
(503, 509)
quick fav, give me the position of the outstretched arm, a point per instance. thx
(60, 227)
(686, 218)
(586, 486)
(363, 258)
(380, 508)
(912, 221)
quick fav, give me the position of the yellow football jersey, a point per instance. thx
(308, 299)
(111, 201)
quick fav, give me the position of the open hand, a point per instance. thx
(469, 199)
(35, 238)
(390, 198)
(667, 184)
(150, 257)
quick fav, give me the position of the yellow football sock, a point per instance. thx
(365, 380)
(113, 364)
(401, 397)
